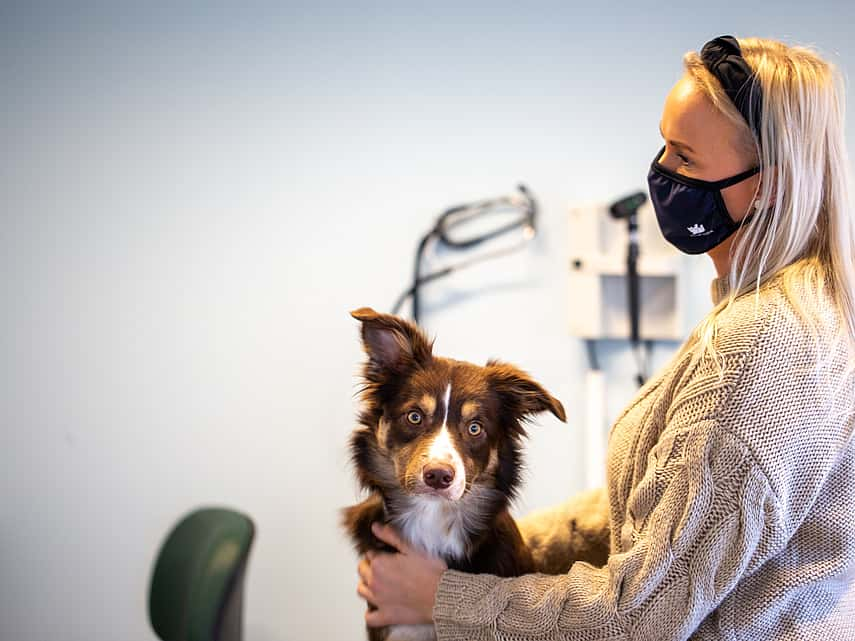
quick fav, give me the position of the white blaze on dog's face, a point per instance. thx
(443, 430)
(444, 473)
(439, 431)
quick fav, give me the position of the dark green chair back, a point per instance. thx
(196, 591)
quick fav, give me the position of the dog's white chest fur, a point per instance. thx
(434, 525)
(424, 632)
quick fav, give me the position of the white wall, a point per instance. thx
(193, 200)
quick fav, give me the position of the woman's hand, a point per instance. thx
(402, 585)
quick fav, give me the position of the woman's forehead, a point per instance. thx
(689, 117)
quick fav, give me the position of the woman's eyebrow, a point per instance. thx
(676, 143)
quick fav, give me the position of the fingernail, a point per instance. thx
(375, 527)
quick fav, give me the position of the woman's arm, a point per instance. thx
(695, 524)
(575, 530)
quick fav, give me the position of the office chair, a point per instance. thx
(196, 591)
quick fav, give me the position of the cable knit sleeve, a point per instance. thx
(702, 515)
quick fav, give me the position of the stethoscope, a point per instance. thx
(455, 217)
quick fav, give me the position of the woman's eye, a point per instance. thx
(683, 159)
(474, 429)
(414, 417)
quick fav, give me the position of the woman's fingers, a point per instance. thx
(365, 592)
(375, 574)
(401, 586)
(388, 535)
(364, 571)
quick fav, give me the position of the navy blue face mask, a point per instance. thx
(691, 212)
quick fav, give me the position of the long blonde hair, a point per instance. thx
(804, 228)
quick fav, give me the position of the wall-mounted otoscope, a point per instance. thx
(627, 208)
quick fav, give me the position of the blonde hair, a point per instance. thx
(804, 229)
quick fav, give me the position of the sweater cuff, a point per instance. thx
(454, 613)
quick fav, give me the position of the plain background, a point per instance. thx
(194, 197)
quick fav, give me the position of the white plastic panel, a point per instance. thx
(598, 301)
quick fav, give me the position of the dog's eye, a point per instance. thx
(474, 429)
(414, 417)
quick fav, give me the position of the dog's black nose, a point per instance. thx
(438, 475)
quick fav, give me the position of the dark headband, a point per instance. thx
(723, 58)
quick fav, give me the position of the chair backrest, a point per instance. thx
(196, 591)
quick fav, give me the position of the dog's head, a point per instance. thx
(435, 427)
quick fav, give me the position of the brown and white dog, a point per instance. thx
(438, 448)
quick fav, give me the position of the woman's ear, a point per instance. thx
(768, 175)
(520, 395)
(392, 343)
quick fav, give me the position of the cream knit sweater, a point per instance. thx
(731, 503)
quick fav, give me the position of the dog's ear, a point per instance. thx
(520, 395)
(391, 342)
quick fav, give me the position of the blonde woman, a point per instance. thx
(729, 511)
